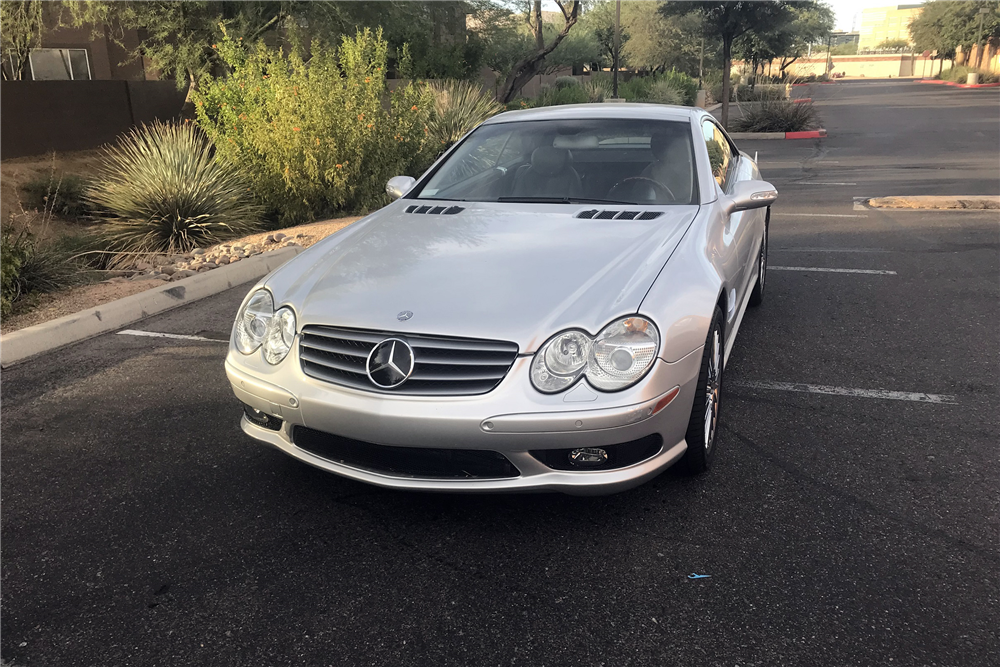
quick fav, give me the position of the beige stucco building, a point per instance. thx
(881, 23)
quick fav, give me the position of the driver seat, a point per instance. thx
(550, 174)
(673, 165)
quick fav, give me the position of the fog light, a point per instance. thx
(261, 418)
(588, 457)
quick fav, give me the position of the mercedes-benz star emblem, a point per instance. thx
(390, 363)
(404, 315)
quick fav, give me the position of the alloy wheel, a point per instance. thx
(712, 386)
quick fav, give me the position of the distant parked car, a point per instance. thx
(549, 307)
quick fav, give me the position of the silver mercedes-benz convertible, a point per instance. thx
(550, 307)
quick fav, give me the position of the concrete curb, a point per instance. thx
(955, 84)
(809, 134)
(936, 202)
(48, 336)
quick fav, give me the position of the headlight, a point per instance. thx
(560, 361)
(253, 321)
(280, 335)
(622, 353)
(617, 358)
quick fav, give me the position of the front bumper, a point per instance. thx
(513, 420)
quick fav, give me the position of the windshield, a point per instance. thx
(571, 161)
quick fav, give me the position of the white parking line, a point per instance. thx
(849, 391)
(157, 334)
(806, 249)
(874, 272)
(819, 215)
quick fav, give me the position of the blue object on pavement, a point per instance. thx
(698, 576)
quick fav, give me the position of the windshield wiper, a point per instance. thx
(559, 200)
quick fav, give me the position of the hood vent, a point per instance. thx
(435, 210)
(594, 214)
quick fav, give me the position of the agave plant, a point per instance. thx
(160, 190)
(459, 106)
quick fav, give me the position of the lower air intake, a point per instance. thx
(416, 462)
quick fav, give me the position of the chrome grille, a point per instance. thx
(443, 366)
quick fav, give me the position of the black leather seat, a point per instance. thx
(550, 174)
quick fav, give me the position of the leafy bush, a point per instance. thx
(635, 89)
(519, 103)
(654, 88)
(62, 194)
(566, 81)
(760, 93)
(314, 138)
(663, 92)
(30, 267)
(567, 95)
(160, 190)
(681, 82)
(961, 73)
(776, 116)
(459, 106)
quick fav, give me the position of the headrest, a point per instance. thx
(548, 160)
(575, 141)
(662, 142)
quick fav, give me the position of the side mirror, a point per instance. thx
(399, 186)
(751, 194)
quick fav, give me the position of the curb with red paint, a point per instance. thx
(802, 100)
(807, 134)
(959, 85)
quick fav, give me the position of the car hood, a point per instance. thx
(514, 272)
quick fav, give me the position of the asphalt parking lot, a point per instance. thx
(850, 519)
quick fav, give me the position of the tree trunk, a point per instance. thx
(727, 65)
(528, 67)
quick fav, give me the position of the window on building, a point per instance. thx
(59, 65)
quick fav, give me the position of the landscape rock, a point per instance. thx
(168, 269)
(198, 251)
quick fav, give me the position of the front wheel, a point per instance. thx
(757, 295)
(704, 422)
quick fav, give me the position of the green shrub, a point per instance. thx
(519, 103)
(566, 81)
(459, 106)
(686, 85)
(760, 93)
(961, 73)
(159, 189)
(663, 92)
(314, 138)
(776, 116)
(567, 95)
(62, 194)
(29, 267)
(635, 89)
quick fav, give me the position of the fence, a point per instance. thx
(41, 116)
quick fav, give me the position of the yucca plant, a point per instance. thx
(160, 190)
(776, 116)
(459, 106)
(597, 89)
(664, 92)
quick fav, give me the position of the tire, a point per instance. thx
(757, 295)
(703, 426)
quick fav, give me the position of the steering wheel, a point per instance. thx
(658, 187)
